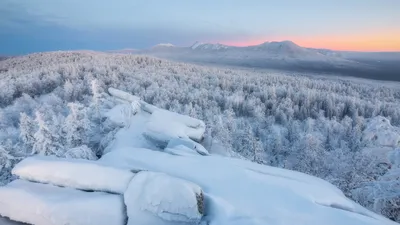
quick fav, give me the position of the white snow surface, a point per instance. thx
(79, 174)
(157, 198)
(44, 204)
(239, 192)
(186, 144)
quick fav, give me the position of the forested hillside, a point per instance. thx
(52, 103)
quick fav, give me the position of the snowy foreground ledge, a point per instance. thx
(155, 173)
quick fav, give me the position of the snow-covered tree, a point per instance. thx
(47, 138)
(76, 126)
(80, 152)
(27, 130)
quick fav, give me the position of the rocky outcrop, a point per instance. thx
(52, 191)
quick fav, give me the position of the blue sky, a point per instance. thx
(43, 25)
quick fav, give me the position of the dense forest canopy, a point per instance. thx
(53, 103)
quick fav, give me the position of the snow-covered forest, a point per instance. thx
(341, 131)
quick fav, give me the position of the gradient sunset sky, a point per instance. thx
(45, 25)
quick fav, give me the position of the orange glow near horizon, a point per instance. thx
(378, 42)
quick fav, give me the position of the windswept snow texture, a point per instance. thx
(79, 174)
(239, 192)
(156, 198)
(44, 204)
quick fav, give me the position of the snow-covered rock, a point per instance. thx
(45, 204)
(161, 125)
(169, 125)
(184, 144)
(79, 174)
(239, 192)
(156, 198)
(379, 132)
(123, 95)
(121, 114)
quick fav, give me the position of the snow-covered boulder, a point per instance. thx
(380, 133)
(183, 145)
(45, 204)
(168, 125)
(135, 101)
(157, 198)
(239, 192)
(123, 95)
(162, 125)
(79, 174)
(120, 114)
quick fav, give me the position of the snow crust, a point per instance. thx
(44, 204)
(156, 198)
(79, 174)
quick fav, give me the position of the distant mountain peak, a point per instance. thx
(164, 45)
(208, 46)
(196, 45)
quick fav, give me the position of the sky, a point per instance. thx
(47, 25)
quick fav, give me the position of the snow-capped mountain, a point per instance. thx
(163, 45)
(281, 49)
(208, 46)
